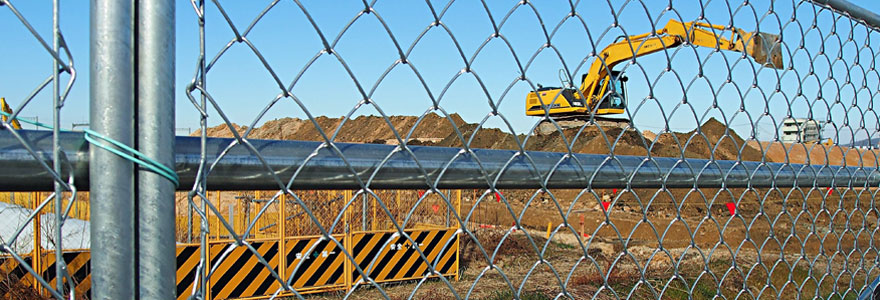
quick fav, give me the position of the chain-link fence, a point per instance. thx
(753, 239)
(49, 212)
(542, 150)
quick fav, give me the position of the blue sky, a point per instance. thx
(243, 87)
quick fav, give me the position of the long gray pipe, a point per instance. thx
(240, 170)
(855, 11)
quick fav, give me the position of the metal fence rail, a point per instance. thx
(238, 169)
(708, 191)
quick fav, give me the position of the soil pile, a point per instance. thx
(712, 140)
(362, 129)
(817, 154)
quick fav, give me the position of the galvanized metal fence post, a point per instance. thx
(155, 138)
(56, 148)
(111, 181)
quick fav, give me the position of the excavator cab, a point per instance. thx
(614, 98)
(568, 101)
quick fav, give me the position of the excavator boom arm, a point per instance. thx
(762, 47)
(602, 93)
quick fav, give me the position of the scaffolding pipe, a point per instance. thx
(240, 169)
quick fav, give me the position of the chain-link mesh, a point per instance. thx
(46, 217)
(687, 100)
(697, 85)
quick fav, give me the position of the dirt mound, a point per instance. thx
(220, 131)
(817, 154)
(362, 129)
(712, 140)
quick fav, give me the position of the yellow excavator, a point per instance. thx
(603, 90)
(5, 108)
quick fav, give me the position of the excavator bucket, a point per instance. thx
(765, 49)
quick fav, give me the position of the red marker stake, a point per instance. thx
(731, 207)
(582, 224)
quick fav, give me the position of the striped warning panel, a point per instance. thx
(78, 266)
(13, 274)
(399, 260)
(240, 274)
(187, 263)
(321, 267)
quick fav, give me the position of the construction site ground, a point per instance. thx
(694, 229)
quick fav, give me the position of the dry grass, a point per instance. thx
(613, 277)
(12, 287)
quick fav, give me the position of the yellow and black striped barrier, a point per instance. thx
(323, 268)
(13, 273)
(187, 264)
(240, 274)
(78, 266)
(399, 260)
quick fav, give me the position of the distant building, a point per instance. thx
(800, 130)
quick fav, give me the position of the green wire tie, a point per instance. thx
(124, 151)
